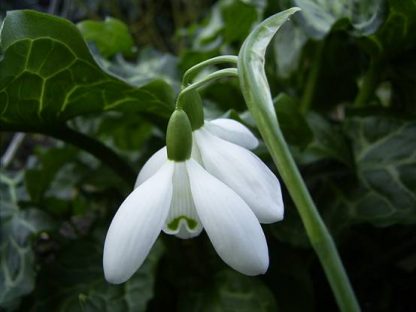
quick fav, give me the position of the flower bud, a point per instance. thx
(192, 105)
(179, 136)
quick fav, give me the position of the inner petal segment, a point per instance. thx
(183, 220)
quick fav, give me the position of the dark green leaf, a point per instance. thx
(398, 33)
(385, 156)
(48, 76)
(150, 65)
(81, 285)
(328, 142)
(111, 36)
(39, 179)
(318, 17)
(125, 132)
(18, 226)
(237, 26)
(293, 124)
(288, 45)
(231, 292)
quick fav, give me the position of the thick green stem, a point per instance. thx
(97, 149)
(310, 87)
(228, 72)
(191, 72)
(318, 233)
(369, 84)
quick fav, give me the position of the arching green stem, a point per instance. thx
(228, 72)
(257, 94)
(192, 72)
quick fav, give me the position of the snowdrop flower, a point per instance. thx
(181, 198)
(222, 147)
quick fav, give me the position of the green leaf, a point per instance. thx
(293, 124)
(81, 285)
(111, 36)
(231, 292)
(125, 132)
(328, 142)
(48, 76)
(151, 64)
(319, 16)
(237, 26)
(17, 258)
(288, 45)
(39, 179)
(398, 33)
(385, 156)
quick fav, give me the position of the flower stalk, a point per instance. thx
(193, 71)
(228, 72)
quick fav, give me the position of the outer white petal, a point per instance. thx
(182, 205)
(136, 226)
(245, 173)
(152, 166)
(232, 131)
(231, 226)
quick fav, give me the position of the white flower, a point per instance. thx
(182, 198)
(221, 147)
(177, 195)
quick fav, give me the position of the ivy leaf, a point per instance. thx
(398, 33)
(51, 161)
(288, 45)
(18, 226)
(47, 76)
(231, 292)
(81, 285)
(110, 36)
(328, 142)
(318, 17)
(385, 155)
(292, 122)
(237, 26)
(151, 64)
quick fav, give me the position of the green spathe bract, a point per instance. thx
(179, 136)
(257, 95)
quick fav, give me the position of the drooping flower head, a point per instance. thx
(176, 194)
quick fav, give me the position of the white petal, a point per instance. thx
(196, 155)
(231, 226)
(182, 209)
(151, 166)
(245, 173)
(232, 131)
(136, 225)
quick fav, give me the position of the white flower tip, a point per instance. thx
(136, 226)
(274, 214)
(116, 269)
(115, 276)
(257, 268)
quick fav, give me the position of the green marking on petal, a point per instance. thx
(174, 224)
